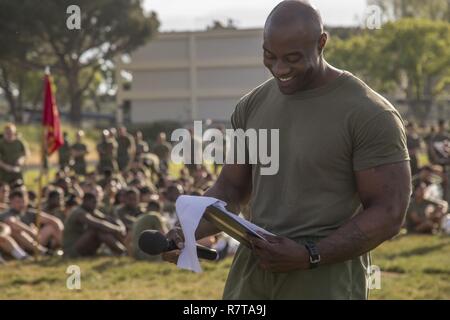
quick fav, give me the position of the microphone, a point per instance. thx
(154, 242)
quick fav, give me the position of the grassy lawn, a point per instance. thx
(413, 267)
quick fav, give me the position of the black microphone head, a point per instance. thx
(153, 242)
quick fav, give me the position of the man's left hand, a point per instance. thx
(279, 254)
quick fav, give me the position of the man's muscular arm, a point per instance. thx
(232, 186)
(384, 192)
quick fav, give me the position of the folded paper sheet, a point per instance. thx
(190, 210)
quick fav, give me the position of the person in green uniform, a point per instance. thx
(147, 221)
(55, 204)
(107, 153)
(4, 194)
(13, 154)
(79, 152)
(64, 153)
(8, 245)
(343, 180)
(424, 216)
(126, 148)
(162, 149)
(84, 232)
(414, 143)
(23, 221)
(130, 209)
(439, 151)
(129, 212)
(141, 147)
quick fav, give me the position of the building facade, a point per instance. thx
(186, 76)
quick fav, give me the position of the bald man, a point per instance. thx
(13, 154)
(343, 183)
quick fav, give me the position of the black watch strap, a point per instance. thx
(314, 256)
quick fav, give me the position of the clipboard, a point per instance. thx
(231, 226)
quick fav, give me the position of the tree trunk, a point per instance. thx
(19, 107)
(8, 92)
(75, 109)
(74, 98)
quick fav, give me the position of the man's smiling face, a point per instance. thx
(291, 56)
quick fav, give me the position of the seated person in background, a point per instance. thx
(84, 232)
(64, 184)
(439, 145)
(55, 204)
(424, 216)
(13, 153)
(146, 194)
(4, 193)
(141, 146)
(78, 153)
(71, 202)
(110, 190)
(22, 221)
(148, 221)
(171, 195)
(32, 199)
(105, 179)
(225, 245)
(162, 149)
(8, 245)
(432, 177)
(201, 177)
(414, 143)
(130, 209)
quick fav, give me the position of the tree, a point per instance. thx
(430, 9)
(21, 87)
(108, 28)
(410, 56)
(18, 83)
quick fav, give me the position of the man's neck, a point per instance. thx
(324, 75)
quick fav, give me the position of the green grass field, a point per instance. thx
(413, 267)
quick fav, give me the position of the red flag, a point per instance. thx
(50, 119)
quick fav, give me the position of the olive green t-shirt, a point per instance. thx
(10, 152)
(73, 228)
(162, 150)
(325, 135)
(64, 154)
(79, 164)
(107, 150)
(127, 215)
(146, 221)
(124, 143)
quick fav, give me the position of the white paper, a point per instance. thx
(190, 210)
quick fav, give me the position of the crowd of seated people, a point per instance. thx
(85, 212)
(102, 211)
(429, 150)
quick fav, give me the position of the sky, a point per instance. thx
(184, 15)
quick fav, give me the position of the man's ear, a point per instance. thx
(322, 42)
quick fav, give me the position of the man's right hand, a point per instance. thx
(175, 234)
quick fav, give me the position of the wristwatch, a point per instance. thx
(314, 256)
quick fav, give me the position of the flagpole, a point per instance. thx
(39, 199)
(41, 175)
